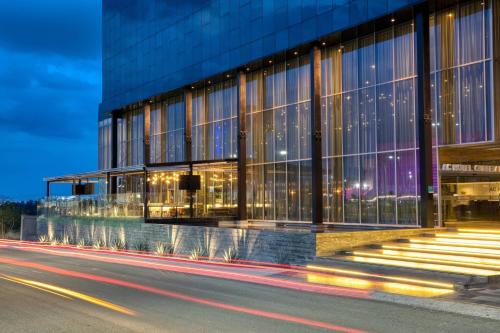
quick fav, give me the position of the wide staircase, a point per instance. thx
(458, 257)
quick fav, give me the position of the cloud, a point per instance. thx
(50, 88)
(69, 28)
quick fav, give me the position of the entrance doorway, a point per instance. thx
(470, 199)
(469, 180)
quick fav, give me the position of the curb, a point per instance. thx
(469, 309)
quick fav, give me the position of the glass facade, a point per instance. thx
(167, 126)
(151, 47)
(461, 71)
(214, 122)
(104, 144)
(131, 138)
(369, 129)
(278, 142)
(370, 150)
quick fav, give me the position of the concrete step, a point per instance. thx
(456, 280)
(469, 243)
(494, 239)
(442, 249)
(433, 261)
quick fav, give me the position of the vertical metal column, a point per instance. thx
(242, 150)
(496, 67)
(114, 151)
(317, 163)
(424, 122)
(146, 156)
(188, 141)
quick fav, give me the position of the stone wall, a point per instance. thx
(293, 247)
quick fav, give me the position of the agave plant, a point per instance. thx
(197, 253)
(141, 245)
(230, 255)
(43, 238)
(117, 245)
(65, 240)
(99, 244)
(81, 243)
(162, 249)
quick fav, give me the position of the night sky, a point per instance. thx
(50, 88)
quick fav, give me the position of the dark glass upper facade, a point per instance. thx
(155, 46)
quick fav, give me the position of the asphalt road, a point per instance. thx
(62, 291)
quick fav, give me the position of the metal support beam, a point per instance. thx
(317, 163)
(424, 122)
(496, 67)
(47, 193)
(146, 156)
(188, 141)
(114, 151)
(241, 83)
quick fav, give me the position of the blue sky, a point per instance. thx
(50, 88)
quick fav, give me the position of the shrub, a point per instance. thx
(163, 249)
(197, 253)
(99, 244)
(230, 255)
(118, 245)
(43, 239)
(65, 240)
(81, 243)
(141, 245)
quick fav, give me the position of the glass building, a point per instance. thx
(352, 112)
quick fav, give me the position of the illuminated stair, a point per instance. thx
(463, 257)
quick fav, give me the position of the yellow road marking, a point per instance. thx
(72, 293)
(35, 287)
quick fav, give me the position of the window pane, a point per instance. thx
(268, 135)
(335, 190)
(366, 61)
(351, 189)
(305, 190)
(281, 191)
(269, 191)
(386, 188)
(368, 188)
(384, 54)
(385, 118)
(292, 132)
(305, 130)
(403, 48)
(447, 106)
(350, 122)
(471, 32)
(280, 134)
(405, 114)
(367, 120)
(349, 66)
(406, 187)
(293, 190)
(472, 103)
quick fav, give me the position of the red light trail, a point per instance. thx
(186, 298)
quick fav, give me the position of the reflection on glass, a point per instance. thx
(279, 128)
